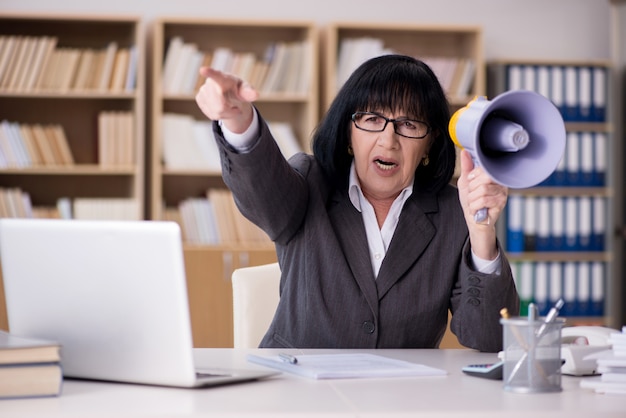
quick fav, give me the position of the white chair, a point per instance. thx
(255, 297)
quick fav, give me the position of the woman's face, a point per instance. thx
(385, 162)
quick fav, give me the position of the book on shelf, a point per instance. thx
(189, 144)
(15, 60)
(187, 66)
(106, 208)
(556, 223)
(24, 145)
(580, 92)
(115, 138)
(220, 199)
(286, 72)
(24, 66)
(37, 63)
(582, 284)
(215, 220)
(130, 80)
(284, 68)
(15, 203)
(60, 143)
(7, 48)
(29, 367)
(107, 66)
(85, 67)
(455, 74)
(51, 67)
(120, 66)
(174, 47)
(70, 60)
(199, 221)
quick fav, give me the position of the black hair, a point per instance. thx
(388, 83)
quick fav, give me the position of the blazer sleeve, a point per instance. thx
(477, 301)
(267, 189)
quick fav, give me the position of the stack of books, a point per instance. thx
(611, 366)
(29, 367)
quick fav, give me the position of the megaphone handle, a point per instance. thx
(481, 215)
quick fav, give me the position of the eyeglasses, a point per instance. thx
(374, 122)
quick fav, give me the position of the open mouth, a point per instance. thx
(384, 165)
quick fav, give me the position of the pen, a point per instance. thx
(288, 358)
(551, 316)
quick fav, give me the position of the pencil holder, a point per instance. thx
(532, 355)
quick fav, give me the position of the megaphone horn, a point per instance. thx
(518, 138)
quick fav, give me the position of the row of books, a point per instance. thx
(189, 144)
(23, 145)
(556, 223)
(29, 367)
(214, 220)
(581, 284)
(116, 138)
(38, 63)
(284, 68)
(579, 91)
(26, 145)
(611, 365)
(584, 162)
(455, 74)
(125, 209)
(15, 203)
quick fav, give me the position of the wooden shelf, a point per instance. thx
(420, 41)
(564, 191)
(299, 110)
(76, 111)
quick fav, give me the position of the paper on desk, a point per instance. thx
(345, 366)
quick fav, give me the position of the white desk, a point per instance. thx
(456, 395)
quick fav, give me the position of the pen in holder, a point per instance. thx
(532, 352)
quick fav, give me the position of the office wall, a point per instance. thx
(525, 29)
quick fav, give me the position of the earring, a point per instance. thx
(425, 160)
(350, 152)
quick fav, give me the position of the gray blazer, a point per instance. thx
(329, 297)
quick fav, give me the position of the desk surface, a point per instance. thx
(285, 395)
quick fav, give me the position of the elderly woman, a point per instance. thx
(374, 243)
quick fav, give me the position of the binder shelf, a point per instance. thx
(558, 234)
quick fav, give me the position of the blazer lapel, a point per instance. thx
(348, 224)
(412, 235)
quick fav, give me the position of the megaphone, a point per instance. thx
(518, 138)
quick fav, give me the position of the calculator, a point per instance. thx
(488, 370)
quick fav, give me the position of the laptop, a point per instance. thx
(112, 293)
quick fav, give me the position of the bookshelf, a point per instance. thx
(41, 90)
(558, 235)
(252, 49)
(447, 49)
(295, 106)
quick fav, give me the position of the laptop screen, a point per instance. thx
(113, 293)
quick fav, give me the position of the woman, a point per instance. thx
(374, 244)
